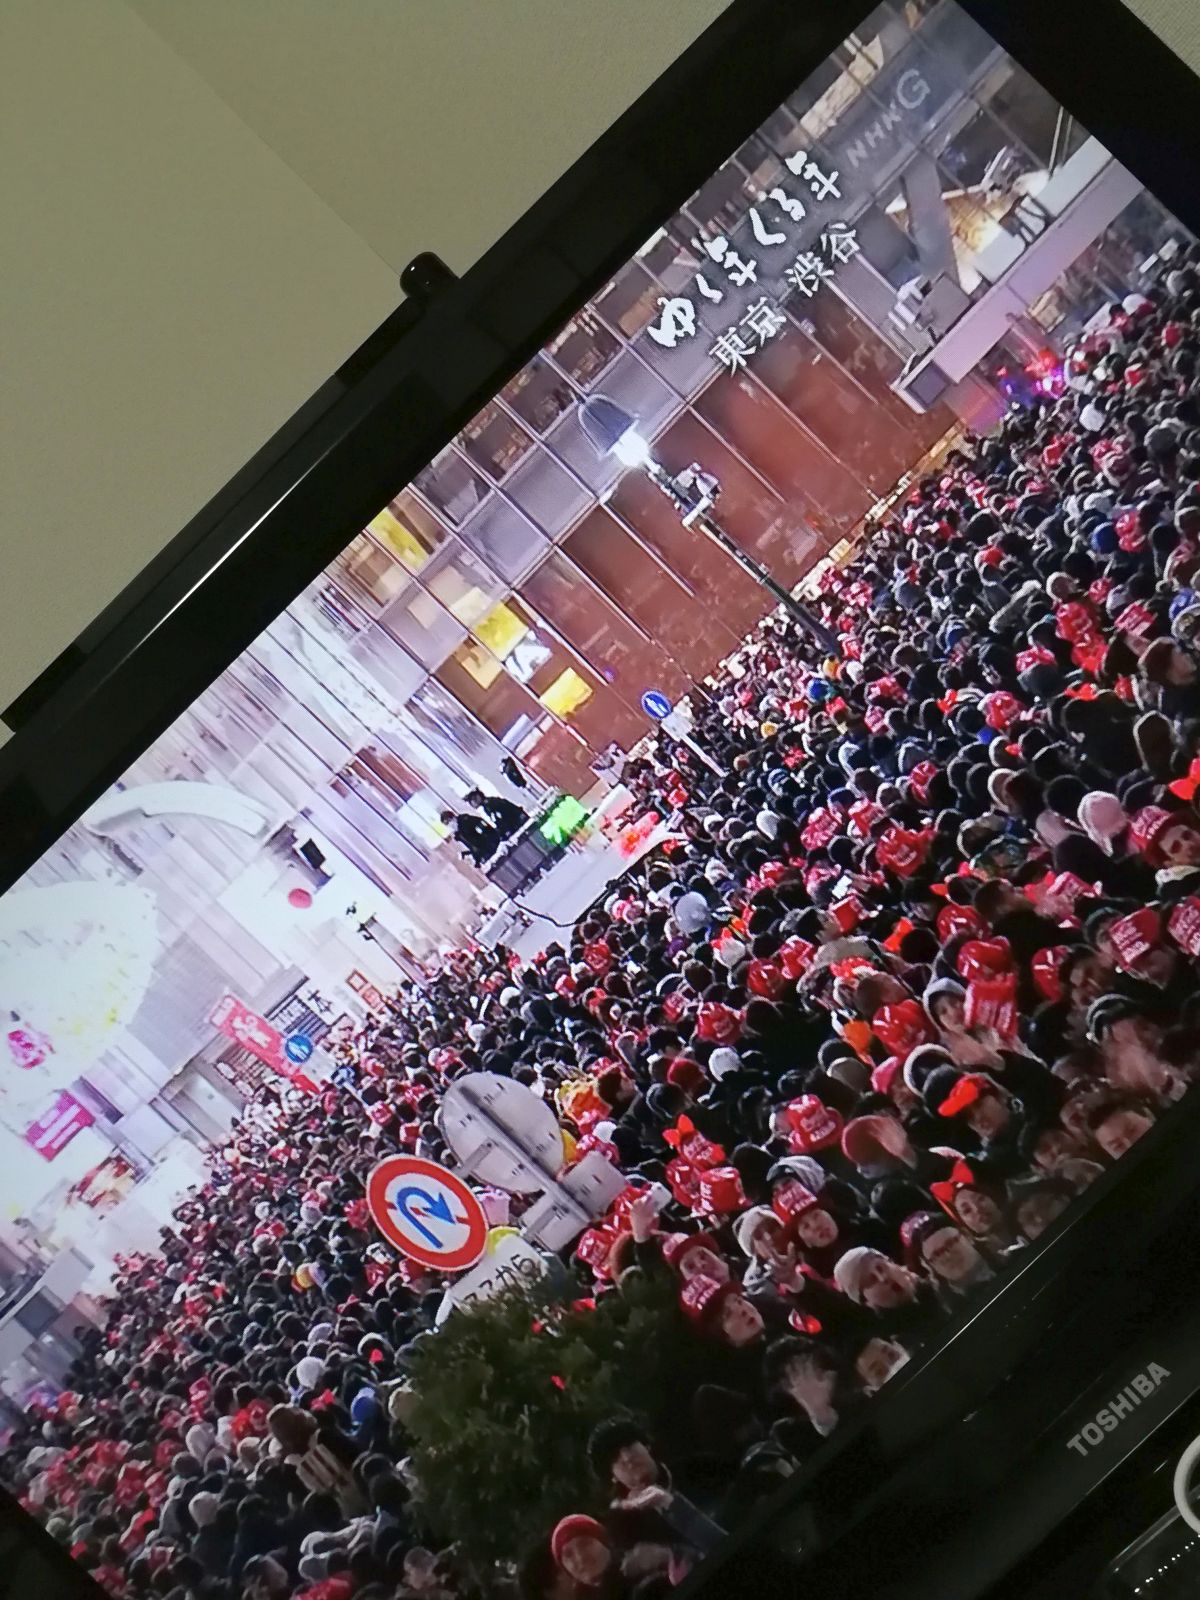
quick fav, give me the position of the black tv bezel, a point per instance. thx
(404, 394)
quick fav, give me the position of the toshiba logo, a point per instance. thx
(1111, 1416)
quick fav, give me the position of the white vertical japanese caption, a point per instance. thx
(763, 319)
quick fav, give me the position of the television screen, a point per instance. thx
(689, 896)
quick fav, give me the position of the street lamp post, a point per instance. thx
(613, 431)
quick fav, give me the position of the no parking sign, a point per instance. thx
(427, 1213)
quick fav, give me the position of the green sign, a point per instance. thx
(563, 821)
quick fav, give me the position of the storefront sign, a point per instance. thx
(55, 1129)
(366, 991)
(235, 1019)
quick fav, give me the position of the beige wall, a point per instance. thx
(205, 206)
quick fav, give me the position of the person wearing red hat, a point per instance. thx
(978, 1102)
(581, 1547)
(1170, 840)
(694, 1255)
(721, 1308)
(688, 1075)
(945, 1001)
(879, 1146)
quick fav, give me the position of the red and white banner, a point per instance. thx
(55, 1128)
(235, 1019)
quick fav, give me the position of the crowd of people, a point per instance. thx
(916, 967)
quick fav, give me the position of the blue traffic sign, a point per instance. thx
(655, 704)
(298, 1047)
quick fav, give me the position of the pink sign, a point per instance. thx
(234, 1018)
(55, 1129)
(28, 1048)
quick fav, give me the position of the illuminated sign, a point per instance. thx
(560, 825)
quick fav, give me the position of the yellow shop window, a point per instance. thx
(389, 530)
(566, 694)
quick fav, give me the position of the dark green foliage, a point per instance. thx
(507, 1394)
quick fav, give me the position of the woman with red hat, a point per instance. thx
(945, 1000)
(582, 1548)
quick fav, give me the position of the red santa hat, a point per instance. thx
(576, 1526)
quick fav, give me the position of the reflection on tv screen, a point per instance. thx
(695, 889)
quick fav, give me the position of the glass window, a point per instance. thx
(872, 363)
(317, 670)
(534, 656)
(463, 584)
(259, 684)
(723, 201)
(445, 725)
(452, 486)
(504, 707)
(644, 590)
(507, 540)
(402, 793)
(539, 394)
(299, 756)
(439, 783)
(547, 493)
(559, 758)
(584, 348)
(406, 530)
(566, 694)
(733, 601)
(371, 573)
(1026, 110)
(843, 418)
(689, 365)
(633, 385)
(977, 153)
(507, 634)
(826, 94)
(301, 728)
(388, 664)
(973, 229)
(366, 834)
(289, 783)
(631, 299)
(494, 441)
(885, 242)
(424, 627)
(807, 486)
(951, 37)
(337, 610)
(1134, 236)
(613, 648)
(759, 157)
